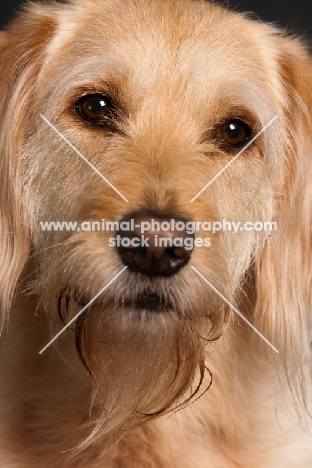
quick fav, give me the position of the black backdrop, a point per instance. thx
(296, 15)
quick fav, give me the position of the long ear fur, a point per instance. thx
(21, 53)
(284, 267)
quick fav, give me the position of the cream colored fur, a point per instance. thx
(178, 68)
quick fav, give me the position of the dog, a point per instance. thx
(158, 117)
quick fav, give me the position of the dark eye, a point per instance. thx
(96, 109)
(235, 133)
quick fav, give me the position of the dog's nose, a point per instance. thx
(153, 245)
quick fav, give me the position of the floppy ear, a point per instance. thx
(284, 267)
(21, 54)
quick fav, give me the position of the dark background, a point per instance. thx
(295, 15)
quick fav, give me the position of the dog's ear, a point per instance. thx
(22, 48)
(284, 267)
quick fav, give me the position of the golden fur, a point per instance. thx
(136, 392)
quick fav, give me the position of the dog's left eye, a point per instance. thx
(96, 109)
(235, 133)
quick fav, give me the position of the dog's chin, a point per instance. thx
(145, 354)
(144, 357)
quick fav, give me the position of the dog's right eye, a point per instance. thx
(96, 109)
(234, 133)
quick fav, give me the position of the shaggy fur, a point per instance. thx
(125, 387)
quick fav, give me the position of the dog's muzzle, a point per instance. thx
(158, 250)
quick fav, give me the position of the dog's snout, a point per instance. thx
(153, 245)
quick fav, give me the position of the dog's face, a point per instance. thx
(159, 97)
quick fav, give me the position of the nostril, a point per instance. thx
(153, 246)
(180, 252)
(177, 261)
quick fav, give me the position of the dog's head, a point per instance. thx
(158, 97)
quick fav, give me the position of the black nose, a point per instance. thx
(154, 246)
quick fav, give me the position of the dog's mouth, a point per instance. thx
(147, 300)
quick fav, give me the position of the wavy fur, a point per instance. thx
(190, 385)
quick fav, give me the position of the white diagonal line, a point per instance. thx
(235, 310)
(82, 310)
(83, 157)
(235, 157)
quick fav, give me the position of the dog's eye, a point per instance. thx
(235, 133)
(96, 109)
